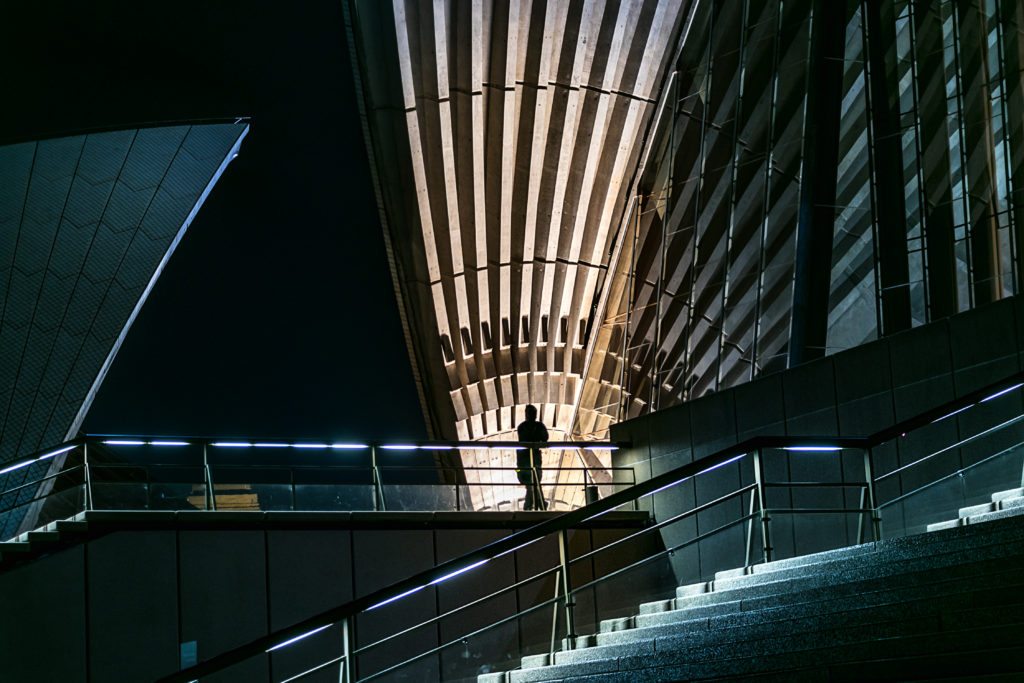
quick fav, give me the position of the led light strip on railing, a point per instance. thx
(41, 457)
(362, 446)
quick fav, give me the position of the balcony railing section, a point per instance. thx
(116, 472)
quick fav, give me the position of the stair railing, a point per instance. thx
(558, 528)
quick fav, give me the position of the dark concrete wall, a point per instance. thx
(119, 606)
(854, 393)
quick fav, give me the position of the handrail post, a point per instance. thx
(378, 491)
(570, 604)
(458, 503)
(750, 529)
(212, 505)
(554, 618)
(766, 538)
(869, 477)
(348, 638)
(88, 475)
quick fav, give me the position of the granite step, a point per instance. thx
(805, 575)
(675, 658)
(810, 615)
(1004, 504)
(866, 594)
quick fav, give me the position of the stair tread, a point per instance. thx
(959, 589)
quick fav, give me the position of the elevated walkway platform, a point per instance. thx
(92, 524)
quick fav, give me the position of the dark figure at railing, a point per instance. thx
(528, 461)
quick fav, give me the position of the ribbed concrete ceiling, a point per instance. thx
(515, 129)
(86, 225)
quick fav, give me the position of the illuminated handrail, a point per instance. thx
(213, 458)
(560, 524)
(232, 443)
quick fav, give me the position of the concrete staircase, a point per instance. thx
(934, 606)
(54, 535)
(1004, 504)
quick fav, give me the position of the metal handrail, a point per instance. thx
(567, 520)
(362, 446)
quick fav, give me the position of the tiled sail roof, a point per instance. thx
(86, 225)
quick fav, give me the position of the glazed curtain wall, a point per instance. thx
(819, 176)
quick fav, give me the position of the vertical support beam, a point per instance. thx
(660, 292)
(816, 221)
(890, 206)
(734, 193)
(979, 147)
(1012, 13)
(769, 150)
(625, 378)
(938, 192)
(691, 295)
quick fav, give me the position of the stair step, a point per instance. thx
(948, 524)
(995, 514)
(1012, 493)
(1004, 506)
(853, 607)
(752, 585)
(43, 536)
(973, 510)
(850, 590)
(960, 589)
(1009, 503)
(786, 651)
(66, 526)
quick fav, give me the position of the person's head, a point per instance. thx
(531, 412)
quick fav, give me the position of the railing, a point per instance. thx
(731, 509)
(162, 473)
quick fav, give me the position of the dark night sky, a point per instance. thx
(276, 315)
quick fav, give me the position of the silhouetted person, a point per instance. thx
(528, 461)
